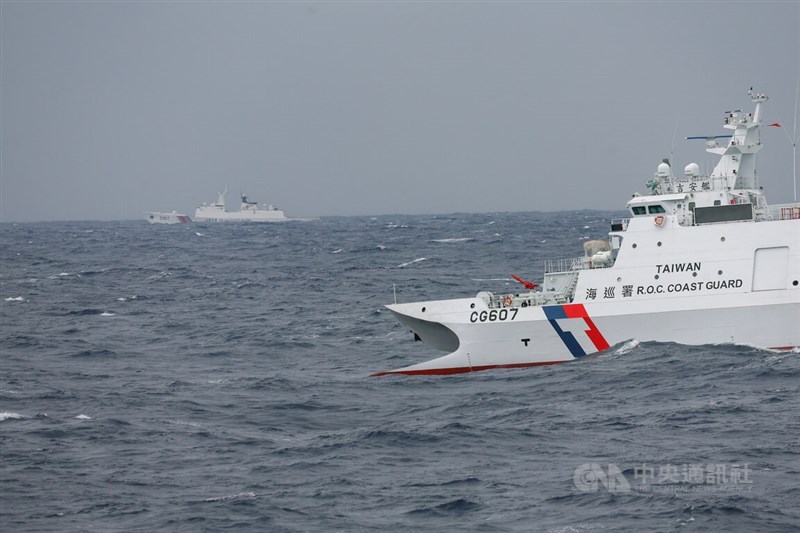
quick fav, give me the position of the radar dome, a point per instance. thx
(663, 170)
(692, 170)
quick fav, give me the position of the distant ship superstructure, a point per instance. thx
(249, 211)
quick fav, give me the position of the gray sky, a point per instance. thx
(110, 109)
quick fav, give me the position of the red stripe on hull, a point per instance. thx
(574, 310)
(462, 369)
(579, 311)
(783, 348)
(596, 337)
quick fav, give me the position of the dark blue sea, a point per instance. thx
(217, 377)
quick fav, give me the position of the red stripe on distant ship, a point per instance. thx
(461, 369)
(579, 311)
(783, 348)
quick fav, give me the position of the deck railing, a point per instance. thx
(572, 264)
(784, 212)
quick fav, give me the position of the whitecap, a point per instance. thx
(15, 299)
(381, 247)
(337, 251)
(5, 415)
(454, 239)
(419, 259)
(586, 227)
(106, 313)
(199, 234)
(63, 275)
(627, 347)
(239, 496)
(183, 423)
(156, 277)
(83, 417)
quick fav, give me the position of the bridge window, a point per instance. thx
(639, 210)
(655, 209)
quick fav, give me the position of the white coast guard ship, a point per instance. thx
(701, 260)
(249, 211)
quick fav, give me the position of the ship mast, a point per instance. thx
(793, 138)
(737, 164)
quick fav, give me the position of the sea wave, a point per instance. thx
(418, 260)
(232, 390)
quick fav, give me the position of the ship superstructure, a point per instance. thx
(249, 211)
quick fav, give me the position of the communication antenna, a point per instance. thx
(672, 150)
(793, 138)
(794, 143)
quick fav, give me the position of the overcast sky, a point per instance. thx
(110, 109)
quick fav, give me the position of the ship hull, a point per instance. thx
(560, 333)
(232, 216)
(154, 217)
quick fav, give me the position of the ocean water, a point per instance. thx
(211, 377)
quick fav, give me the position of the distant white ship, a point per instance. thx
(154, 217)
(249, 211)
